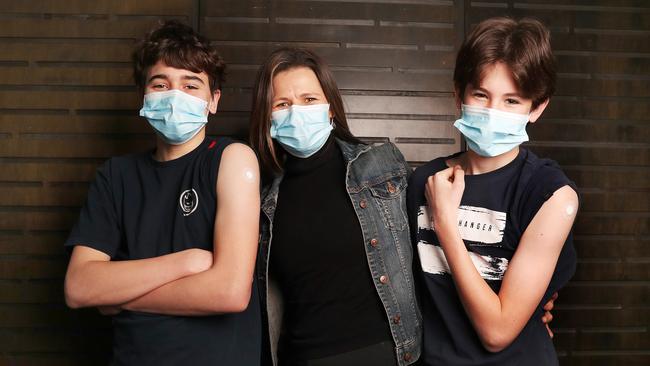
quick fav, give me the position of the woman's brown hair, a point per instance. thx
(524, 46)
(269, 152)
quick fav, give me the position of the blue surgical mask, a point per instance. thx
(491, 132)
(301, 130)
(176, 116)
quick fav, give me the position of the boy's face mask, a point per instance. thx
(176, 116)
(491, 132)
(301, 130)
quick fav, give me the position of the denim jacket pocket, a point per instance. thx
(390, 196)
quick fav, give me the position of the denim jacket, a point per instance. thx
(376, 180)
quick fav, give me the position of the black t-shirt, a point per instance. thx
(495, 210)
(140, 208)
(318, 258)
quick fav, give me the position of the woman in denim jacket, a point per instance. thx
(337, 282)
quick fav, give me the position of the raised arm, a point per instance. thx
(92, 279)
(226, 286)
(499, 318)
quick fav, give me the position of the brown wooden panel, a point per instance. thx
(605, 317)
(622, 178)
(127, 7)
(31, 292)
(607, 88)
(78, 75)
(132, 28)
(39, 196)
(34, 125)
(49, 171)
(594, 155)
(592, 131)
(621, 223)
(32, 244)
(32, 268)
(66, 50)
(73, 147)
(49, 220)
(607, 270)
(328, 33)
(591, 246)
(53, 340)
(47, 315)
(606, 293)
(252, 53)
(615, 201)
(65, 99)
(617, 64)
(399, 11)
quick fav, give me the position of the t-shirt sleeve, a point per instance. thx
(543, 183)
(98, 226)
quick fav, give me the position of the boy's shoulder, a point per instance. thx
(423, 172)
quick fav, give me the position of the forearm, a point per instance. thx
(211, 292)
(97, 283)
(484, 307)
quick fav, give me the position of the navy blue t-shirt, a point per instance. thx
(495, 210)
(140, 208)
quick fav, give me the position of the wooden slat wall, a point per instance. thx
(598, 128)
(67, 103)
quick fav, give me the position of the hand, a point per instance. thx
(548, 317)
(109, 310)
(444, 191)
(197, 260)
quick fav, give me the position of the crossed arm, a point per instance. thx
(190, 282)
(499, 318)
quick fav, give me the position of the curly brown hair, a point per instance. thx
(178, 46)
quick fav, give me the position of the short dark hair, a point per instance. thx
(179, 46)
(271, 157)
(524, 46)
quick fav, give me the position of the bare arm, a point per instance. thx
(92, 279)
(226, 286)
(499, 318)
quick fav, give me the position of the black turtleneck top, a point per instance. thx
(319, 260)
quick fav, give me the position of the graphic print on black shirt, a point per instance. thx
(494, 212)
(477, 226)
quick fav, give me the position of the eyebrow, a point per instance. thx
(515, 94)
(184, 77)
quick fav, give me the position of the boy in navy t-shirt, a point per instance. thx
(492, 226)
(167, 240)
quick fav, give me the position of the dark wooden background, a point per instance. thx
(67, 103)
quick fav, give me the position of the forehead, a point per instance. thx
(297, 79)
(498, 77)
(161, 68)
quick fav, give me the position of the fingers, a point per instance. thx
(550, 332)
(551, 303)
(547, 317)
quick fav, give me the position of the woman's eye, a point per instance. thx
(281, 105)
(479, 95)
(310, 99)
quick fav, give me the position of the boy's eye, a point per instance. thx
(159, 86)
(512, 101)
(192, 87)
